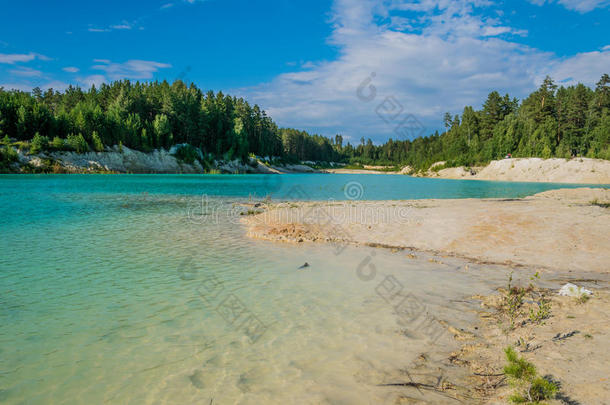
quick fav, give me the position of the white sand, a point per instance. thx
(558, 229)
(578, 170)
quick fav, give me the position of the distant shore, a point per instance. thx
(577, 170)
(124, 160)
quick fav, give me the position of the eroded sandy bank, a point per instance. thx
(578, 170)
(558, 229)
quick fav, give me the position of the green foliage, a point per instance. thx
(58, 143)
(39, 144)
(517, 367)
(98, 146)
(551, 122)
(601, 204)
(187, 154)
(543, 312)
(145, 116)
(523, 375)
(542, 389)
(513, 300)
(77, 143)
(8, 156)
(583, 298)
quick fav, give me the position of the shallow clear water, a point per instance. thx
(109, 293)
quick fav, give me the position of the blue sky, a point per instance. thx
(304, 61)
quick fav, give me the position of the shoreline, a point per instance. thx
(559, 236)
(559, 229)
(122, 160)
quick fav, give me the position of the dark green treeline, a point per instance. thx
(551, 122)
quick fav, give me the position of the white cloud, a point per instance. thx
(70, 69)
(582, 6)
(584, 67)
(132, 69)
(92, 80)
(15, 57)
(43, 57)
(16, 86)
(454, 58)
(26, 72)
(55, 85)
(123, 26)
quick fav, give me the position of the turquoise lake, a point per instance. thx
(111, 293)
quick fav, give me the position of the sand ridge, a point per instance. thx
(560, 229)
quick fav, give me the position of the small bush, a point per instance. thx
(186, 154)
(39, 144)
(58, 143)
(98, 146)
(601, 204)
(523, 375)
(518, 368)
(544, 312)
(513, 300)
(542, 389)
(8, 155)
(77, 143)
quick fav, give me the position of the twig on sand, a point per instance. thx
(559, 336)
(424, 386)
(489, 375)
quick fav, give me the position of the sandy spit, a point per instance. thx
(559, 229)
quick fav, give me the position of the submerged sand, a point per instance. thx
(562, 234)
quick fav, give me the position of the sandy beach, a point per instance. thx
(557, 229)
(560, 234)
